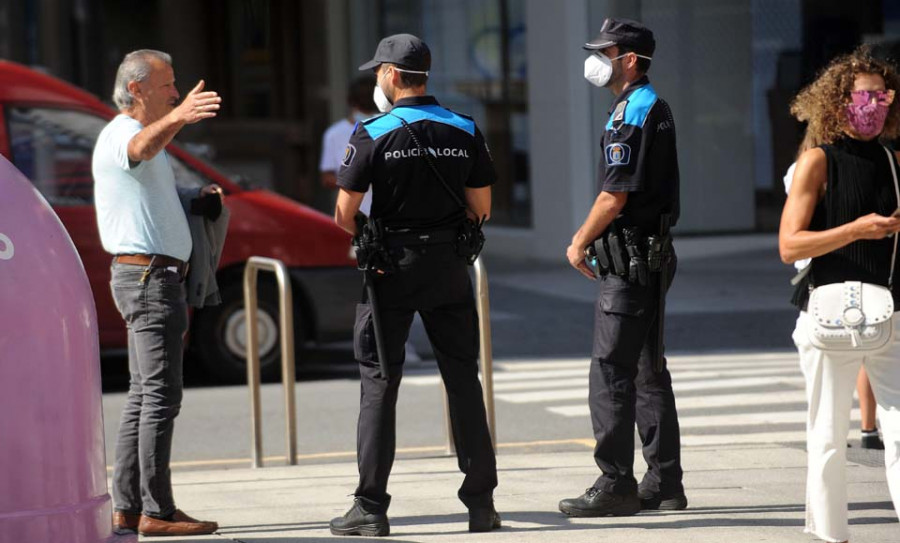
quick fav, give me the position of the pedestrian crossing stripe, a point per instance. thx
(685, 372)
(722, 399)
(709, 421)
(788, 436)
(579, 386)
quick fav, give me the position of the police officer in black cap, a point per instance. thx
(624, 244)
(430, 172)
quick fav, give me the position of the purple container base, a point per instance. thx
(87, 522)
(52, 460)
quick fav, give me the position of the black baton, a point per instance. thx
(376, 324)
(659, 364)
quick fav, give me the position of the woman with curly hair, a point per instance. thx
(841, 212)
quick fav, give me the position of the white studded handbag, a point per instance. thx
(852, 316)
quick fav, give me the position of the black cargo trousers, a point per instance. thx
(433, 281)
(624, 389)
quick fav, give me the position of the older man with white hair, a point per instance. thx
(142, 223)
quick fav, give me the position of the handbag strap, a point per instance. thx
(423, 153)
(897, 193)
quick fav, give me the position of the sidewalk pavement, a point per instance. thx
(737, 494)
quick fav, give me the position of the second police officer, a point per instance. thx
(429, 170)
(628, 248)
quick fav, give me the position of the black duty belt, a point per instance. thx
(410, 239)
(629, 254)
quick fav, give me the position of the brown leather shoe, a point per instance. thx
(125, 523)
(178, 524)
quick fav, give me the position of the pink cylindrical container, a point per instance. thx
(52, 461)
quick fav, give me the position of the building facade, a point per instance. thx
(728, 68)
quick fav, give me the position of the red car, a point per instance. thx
(48, 129)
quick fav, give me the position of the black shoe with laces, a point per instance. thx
(661, 501)
(365, 518)
(597, 503)
(870, 440)
(483, 519)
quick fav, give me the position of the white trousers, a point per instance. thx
(830, 381)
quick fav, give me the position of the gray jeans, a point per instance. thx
(155, 311)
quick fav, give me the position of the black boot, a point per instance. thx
(483, 519)
(597, 503)
(870, 440)
(365, 518)
(661, 501)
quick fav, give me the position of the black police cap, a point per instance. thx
(625, 33)
(404, 50)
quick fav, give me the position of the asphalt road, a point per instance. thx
(730, 297)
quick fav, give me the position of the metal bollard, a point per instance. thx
(485, 355)
(288, 369)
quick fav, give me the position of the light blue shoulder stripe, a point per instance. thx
(639, 104)
(379, 126)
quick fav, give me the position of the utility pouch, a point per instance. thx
(602, 251)
(617, 254)
(638, 272)
(470, 240)
(659, 250)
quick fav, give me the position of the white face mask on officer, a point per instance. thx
(381, 100)
(598, 68)
(383, 103)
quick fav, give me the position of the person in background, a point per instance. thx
(360, 106)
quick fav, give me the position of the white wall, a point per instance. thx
(560, 132)
(702, 67)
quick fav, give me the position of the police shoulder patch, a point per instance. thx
(618, 154)
(349, 155)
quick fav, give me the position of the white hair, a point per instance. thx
(135, 67)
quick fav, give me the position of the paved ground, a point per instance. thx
(737, 494)
(740, 398)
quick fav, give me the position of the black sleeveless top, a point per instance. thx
(859, 182)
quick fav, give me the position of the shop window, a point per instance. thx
(479, 68)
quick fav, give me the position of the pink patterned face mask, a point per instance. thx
(867, 120)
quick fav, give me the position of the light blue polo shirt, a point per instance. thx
(138, 209)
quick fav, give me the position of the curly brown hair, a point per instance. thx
(821, 104)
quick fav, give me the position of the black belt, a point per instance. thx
(410, 239)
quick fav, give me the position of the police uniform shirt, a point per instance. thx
(406, 192)
(639, 157)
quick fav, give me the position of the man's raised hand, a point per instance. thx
(198, 105)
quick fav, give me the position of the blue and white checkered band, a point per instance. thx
(618, 154)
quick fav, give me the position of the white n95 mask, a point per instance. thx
(598, 68)
(381, 101)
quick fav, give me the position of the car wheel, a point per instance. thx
(220, 335)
